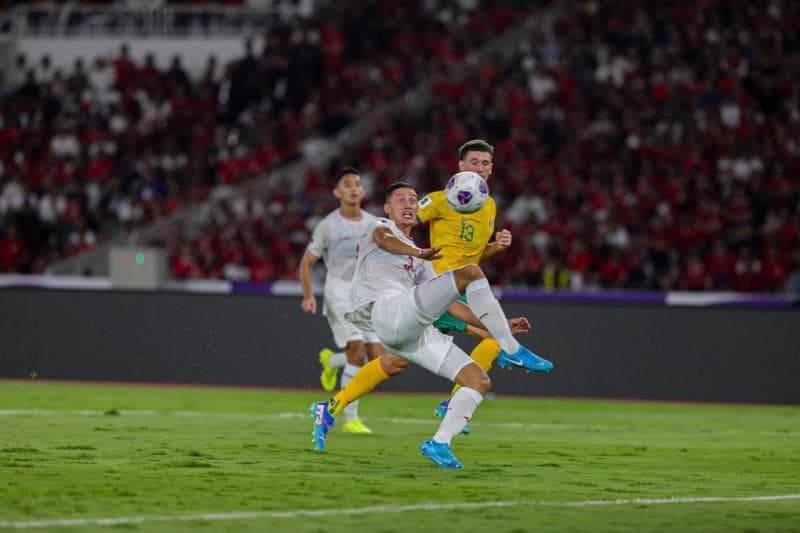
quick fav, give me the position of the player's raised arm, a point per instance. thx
(502, 240)
(388, 242)
(463, 312)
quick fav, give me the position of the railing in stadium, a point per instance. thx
(148, 19)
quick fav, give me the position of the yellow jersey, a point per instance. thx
(461, 236)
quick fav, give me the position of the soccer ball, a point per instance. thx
(466, 192)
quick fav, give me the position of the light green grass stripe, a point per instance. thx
(247, 515)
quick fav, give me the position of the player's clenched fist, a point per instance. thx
(519, 325)
(503, 238)
(309, 305)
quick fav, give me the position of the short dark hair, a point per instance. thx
(343, 172)
(475, 145)
(393, 187)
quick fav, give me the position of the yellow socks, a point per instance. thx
(484, 354)
(370, 376)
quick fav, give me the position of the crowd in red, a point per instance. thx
(635, 148)
(116, 143)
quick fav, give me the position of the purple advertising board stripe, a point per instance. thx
(605, 297)
(249, 287)
(761, 302)
(509, 294)
(651, 298)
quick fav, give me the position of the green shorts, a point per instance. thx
(448, 324)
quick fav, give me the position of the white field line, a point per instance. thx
(378, 509)
(296, 415)
(291, 415)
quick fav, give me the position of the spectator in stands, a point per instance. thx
(13, 250)
(792, 283)
(18, 73)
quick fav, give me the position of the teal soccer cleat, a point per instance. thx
(440, 454)
(323, 422)
(524, 359)
(441, 410)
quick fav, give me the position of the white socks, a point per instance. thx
(459, 412)
(338, 360)
(486, 307)
(351, 411)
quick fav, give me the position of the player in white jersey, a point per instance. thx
(398, 295)
(335, 241)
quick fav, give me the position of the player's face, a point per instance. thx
(477, 162)
(349, 190)
(401, 207)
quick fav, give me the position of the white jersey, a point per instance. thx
(380, 273)
(335, 240)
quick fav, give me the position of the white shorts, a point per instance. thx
(345, 332)
(407, 332)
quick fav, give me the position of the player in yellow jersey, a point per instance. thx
(463, 238)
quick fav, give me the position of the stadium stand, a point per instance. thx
(115, 144)
(636, 148)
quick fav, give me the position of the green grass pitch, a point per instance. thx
(108, 458)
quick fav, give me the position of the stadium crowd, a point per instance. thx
(116, 143)
(635, 147)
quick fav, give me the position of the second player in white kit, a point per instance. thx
(335, 240)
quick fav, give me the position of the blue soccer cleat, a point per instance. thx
(440, 453)
(323, 422)
(524, 359)
(441, 410)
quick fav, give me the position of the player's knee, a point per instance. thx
(374, 350)
(484, 384)
(475, 378)
(393, 365)
(466, 275)
(356, 353)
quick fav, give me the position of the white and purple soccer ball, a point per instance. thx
(466, 192)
